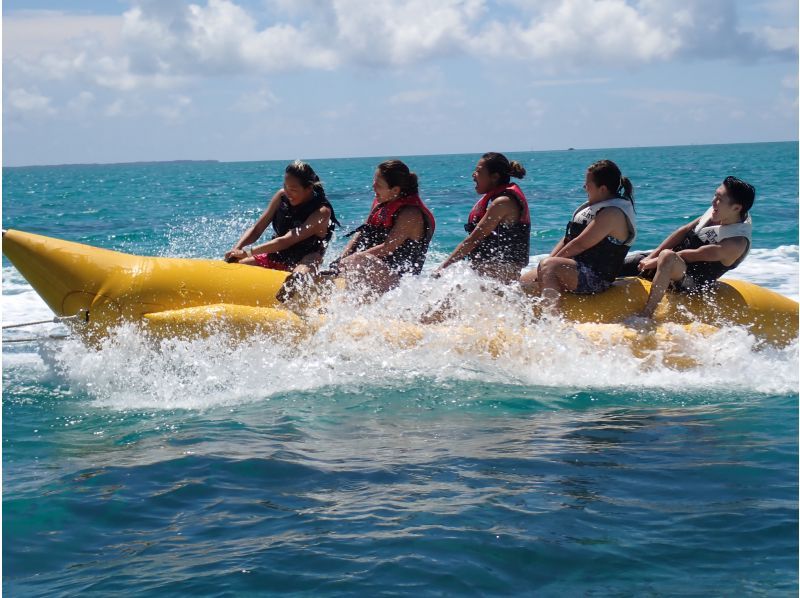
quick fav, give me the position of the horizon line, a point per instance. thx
(217, 161)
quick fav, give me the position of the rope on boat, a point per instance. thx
(34, 339)
(82, 316)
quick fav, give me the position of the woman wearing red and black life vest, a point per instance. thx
(598, 237)
(499, 225)
(394, 240)
(303, 221)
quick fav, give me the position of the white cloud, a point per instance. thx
(163, 44)
(678, 98)
(566, 82)
(581, 33)
(116, 108)
(413, 96)
(26, 101)
(220, 38)
(174, 108)
(536, 110)
(258, 101)
(81, 102)
(387, 32)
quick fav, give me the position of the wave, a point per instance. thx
(492, 339)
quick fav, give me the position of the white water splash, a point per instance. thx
(491, 338)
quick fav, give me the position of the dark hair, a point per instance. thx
(605, 172)
(497, 163)
(303, 172)
(740, 193)
(397, 174)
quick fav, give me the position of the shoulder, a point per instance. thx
(735, 243)
(323, 211)
(278, 196)
(409, 213)
(503, 203)
(609, 212)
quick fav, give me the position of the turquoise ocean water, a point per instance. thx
(355, 465)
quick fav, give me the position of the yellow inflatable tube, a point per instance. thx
(185, 296)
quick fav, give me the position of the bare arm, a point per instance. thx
(315, 225)
(675, 238)
(502, 209)
(605, 223)
(253, 233)
(558, 247)
(351, 245)
(650, 262)
(727, 252)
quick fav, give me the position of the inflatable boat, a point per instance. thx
(178, 296)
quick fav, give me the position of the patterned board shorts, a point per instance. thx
(589, 281)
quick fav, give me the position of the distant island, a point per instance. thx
(137, 163)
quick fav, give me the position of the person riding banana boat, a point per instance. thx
(597, 240)
(695, 255)
(499, 225)
(394, 240)
(303, 221)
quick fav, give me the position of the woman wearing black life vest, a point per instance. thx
(394, 240)
(303, 221)
(499, 224)
(599, 235)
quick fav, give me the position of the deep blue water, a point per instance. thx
(353, 464)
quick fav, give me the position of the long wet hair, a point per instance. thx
(497, 163)
(303, 172)
(605, 172)
(397, 174)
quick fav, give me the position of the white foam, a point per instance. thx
(775, 269)
(491, 338)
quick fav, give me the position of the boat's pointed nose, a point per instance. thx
(67, 275)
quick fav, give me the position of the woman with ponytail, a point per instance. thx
(303, 221)
(592, 253)
(394, 240)
(499, 224)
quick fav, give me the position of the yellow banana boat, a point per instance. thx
(179, 296)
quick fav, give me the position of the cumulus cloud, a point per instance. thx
(413, 96)
(22, 100)
(165, 43)
(583, 32)
(387, 32)
(254, 102)
(220, 38)
(81, 102)
(174, 109)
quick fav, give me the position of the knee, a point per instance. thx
(667, 259)
(545, 268)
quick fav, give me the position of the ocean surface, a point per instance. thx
(356, 465)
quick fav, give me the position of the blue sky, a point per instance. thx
(231, 80)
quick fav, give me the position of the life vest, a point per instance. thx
(607, 257)
(507, 243)
(288, 217)
(704, 233)
(410, 256)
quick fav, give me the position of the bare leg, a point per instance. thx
(369, 271)
(530, 282)
(301, 279)
(558, 274)
(670, 267)
(504, 273)
(248, 261)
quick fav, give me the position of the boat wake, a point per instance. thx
(488, 338)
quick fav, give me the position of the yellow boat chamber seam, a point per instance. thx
(180, 296)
